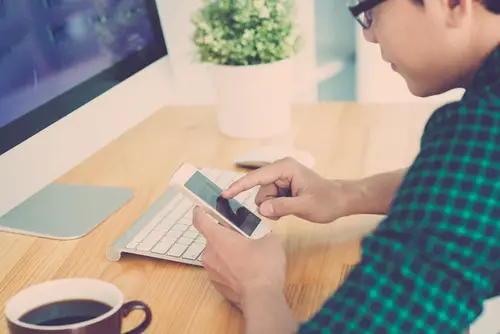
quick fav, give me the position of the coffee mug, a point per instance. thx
(70, 306)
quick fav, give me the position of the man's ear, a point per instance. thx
(451, 13)
(458, 12)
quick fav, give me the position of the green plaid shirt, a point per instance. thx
(435, 258)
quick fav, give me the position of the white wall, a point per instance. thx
(488, 322)
(193, 82)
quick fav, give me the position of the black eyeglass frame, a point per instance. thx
(362, 7)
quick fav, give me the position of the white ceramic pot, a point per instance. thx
(254, 102)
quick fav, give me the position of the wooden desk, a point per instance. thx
(348, 141)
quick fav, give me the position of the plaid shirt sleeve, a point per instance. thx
(431, 263)
(435, 258)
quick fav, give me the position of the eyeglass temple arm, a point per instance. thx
(364, 6)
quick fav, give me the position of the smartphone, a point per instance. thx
(206, 194)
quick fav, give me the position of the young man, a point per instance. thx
(435, 258)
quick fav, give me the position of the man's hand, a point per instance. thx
(289, 188)
(249, 273)
(237, 266)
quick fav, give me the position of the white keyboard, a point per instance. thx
(166, 230)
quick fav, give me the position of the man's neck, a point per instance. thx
(477, 59)
(484, 41)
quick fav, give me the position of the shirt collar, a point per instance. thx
(488, 73)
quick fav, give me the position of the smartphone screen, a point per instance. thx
(233, 211)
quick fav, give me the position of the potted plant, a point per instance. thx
(250, 46)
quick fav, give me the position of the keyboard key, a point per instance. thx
(179, 227)
(185, 241)
(174, 234)
(191, 234)
(185, 221)
(165, 225)
(170, 231)
(175, 201)
(189, 214)
(201, 240)
(150, 241)
(193, 251)
(145, 247)
(177, 250)
(181, 209)
(155, 221)
(163, 246)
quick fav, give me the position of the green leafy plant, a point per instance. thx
(245, 32)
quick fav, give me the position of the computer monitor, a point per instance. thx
(74, 75)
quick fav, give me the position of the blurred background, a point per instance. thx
(336, 64)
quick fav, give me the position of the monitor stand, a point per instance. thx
(64, 211)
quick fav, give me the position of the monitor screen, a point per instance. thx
(57, 55)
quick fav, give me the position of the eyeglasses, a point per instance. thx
(362, 10)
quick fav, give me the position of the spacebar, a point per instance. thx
(193, 251)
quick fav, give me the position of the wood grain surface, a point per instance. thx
(347, 140)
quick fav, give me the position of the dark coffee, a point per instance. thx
(65, 312)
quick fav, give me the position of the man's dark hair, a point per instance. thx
(492, 5)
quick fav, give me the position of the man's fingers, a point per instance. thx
(262, 176)
(266, 192)
(282, 206)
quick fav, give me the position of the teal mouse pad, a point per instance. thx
(65, 211)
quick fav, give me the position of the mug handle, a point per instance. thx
(128, 307)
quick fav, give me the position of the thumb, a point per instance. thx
(204, 223)
(209, 227)
(282, 206)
